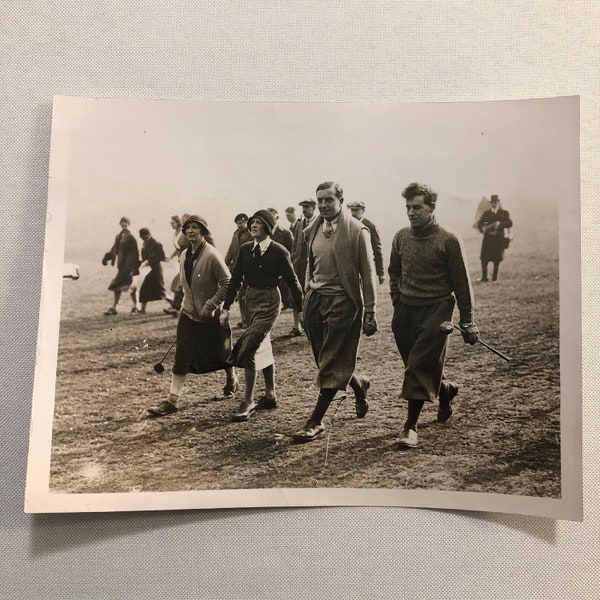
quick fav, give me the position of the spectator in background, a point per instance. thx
(153, 286)
(286, 239)
(240, 236)
(125, 253)
(493, 223)
(180, 243)
(290, 215)
(357, 208)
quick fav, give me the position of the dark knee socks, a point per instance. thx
(414, 410)
(323, 402)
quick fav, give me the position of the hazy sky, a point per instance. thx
(151, 159)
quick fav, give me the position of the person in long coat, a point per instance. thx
(153, 286)
(261, 263)
(340, 300)
(125, 253)
(493, 223)
(203, 345)
(357, 208)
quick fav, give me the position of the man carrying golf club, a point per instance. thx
(203, 344)
(428, 275)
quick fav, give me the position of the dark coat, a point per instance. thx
(493, 226)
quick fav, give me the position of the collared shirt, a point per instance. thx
(262, 245)
(334, 223)
(306, 222)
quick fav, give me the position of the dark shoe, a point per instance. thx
(265, 403)
(171, 311)
(242, 325)
(134, 310)
(163, 409)
(308, 433)
(110, 311)
(230, 390)
(483, 280)
(296, 331)
(245, 412)
(445, 408)
(360, 402)
(408, 439)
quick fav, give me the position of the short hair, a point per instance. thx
(176, 219)
(124, 219)
(419, 189)
(290, 209)
(337, 189)
(273, 211)
(144, 231)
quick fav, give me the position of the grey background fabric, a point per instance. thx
(286, 51)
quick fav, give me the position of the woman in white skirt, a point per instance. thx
(261, 263)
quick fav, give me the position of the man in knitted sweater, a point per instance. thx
(428, 275)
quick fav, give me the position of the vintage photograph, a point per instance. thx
(270, 304)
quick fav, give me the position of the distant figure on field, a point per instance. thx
(203, 344)
(341, 293)
(153, 286)
(290, 215)
(493, 223)
(357, 208)
(240, 236)
(428, 275)
(125, 253)
(180, 243)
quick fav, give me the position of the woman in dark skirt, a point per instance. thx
(261, 263)
(153, 286)
(203, 344)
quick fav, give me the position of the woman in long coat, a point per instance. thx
(203, 343)
(261, 263)
(125, 253)
(153, 286)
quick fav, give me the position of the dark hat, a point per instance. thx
(308, 202)
(240, 217)
(144, 231)
(266, 217)
(187, 219)
(494, 197)
(356, 204)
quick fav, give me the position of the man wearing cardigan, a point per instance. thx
(428, 275)
(340, 298)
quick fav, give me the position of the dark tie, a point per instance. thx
(328, 229)
(257, 251)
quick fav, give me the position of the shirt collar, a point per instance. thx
(334, 222)
(263, 245)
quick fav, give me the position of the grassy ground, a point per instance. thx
(504, 436)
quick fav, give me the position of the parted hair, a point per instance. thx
(339, 192)
(419, 189)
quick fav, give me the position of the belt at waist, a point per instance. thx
(262, 287)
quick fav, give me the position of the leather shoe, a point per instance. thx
(245, 412)
(308, 433)
(408, 439)
(265, 403)
(446, 397)
(230, 390)
(360, 402)
(164, 408)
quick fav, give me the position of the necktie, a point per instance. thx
(257, 251)
(328, 232)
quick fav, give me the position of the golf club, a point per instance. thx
(158, 367)
(446, 329)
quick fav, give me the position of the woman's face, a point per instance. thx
(193, 232)
(174, 224)
(258, 230)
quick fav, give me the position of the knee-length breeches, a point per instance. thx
(333, 327)
(422, 347)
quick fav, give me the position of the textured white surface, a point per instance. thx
(296, 51)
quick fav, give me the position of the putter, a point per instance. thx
(158, 367)
(446, 329)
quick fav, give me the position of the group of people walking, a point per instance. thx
(330, 264)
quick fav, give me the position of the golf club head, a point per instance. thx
(446, 328)
(158, 367)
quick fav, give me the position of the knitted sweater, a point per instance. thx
(427, 265)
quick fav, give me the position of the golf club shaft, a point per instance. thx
(497, 352)
(169, 350)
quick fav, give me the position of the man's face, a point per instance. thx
(308, 210)
(357, 212)
(495, 203)
(291, 217)
(124, 224)
(418, 212)
(241, 224)
(328, 204)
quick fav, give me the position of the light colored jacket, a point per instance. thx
(209, 281)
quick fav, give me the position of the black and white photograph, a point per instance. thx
(310, 304)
